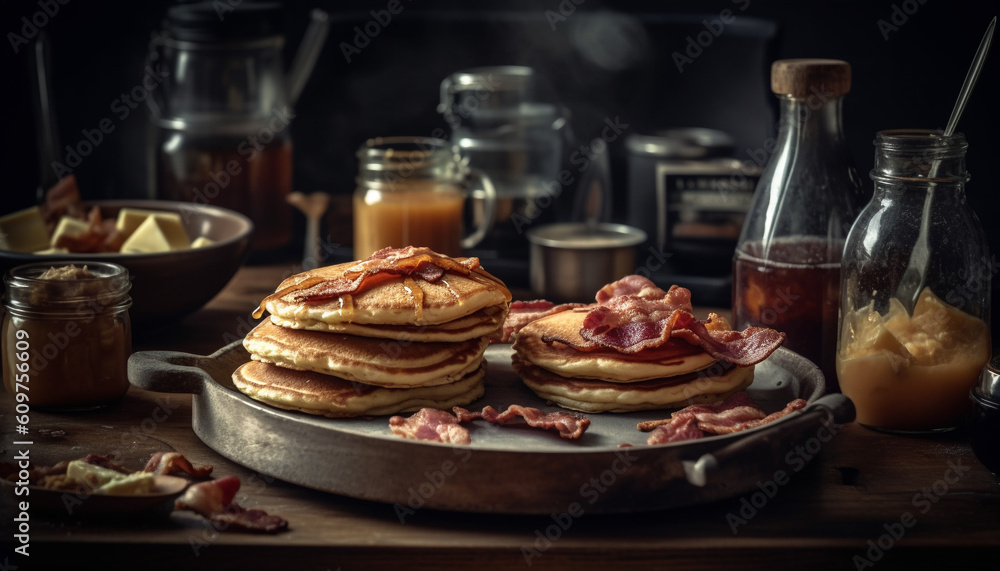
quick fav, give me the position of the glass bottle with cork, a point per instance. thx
(786, 270)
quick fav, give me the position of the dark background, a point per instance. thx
(606, 60)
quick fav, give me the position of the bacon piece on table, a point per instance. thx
(735, 414)
(430, 425)
(570, 426)
(214, 501)
(164, 463)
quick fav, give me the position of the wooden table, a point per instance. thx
(867, 499)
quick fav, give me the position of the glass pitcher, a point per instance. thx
(498, 123)
(220, 120)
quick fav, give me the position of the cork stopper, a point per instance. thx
(803, 77)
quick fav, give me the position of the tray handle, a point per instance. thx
(784, 443)
(176, 372)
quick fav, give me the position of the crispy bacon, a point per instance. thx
(680, 429)
(214, 500)
(643, 288)
(630, 318)
(430, 425)
(734, 414)
(524, 312)
(382, 266)
(570, 426)
(165, 463)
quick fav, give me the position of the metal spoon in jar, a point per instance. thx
(916, 270)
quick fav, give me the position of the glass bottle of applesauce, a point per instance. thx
(786, 270)
(915, 294)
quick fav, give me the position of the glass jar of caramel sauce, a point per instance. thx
(66, 334)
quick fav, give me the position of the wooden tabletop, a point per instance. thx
(866, 499)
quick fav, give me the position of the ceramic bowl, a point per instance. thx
(169, 285)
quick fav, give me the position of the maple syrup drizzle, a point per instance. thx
(418, 297)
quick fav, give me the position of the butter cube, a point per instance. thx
(91, 473)
(201, 242)
(23, 231)
(148, 238)
(129, 219)
(68, 226)
(123, 485)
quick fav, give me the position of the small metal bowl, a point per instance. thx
(571, 261)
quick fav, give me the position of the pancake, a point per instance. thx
(485, 322)
(325, 395)
(600, 364)
(396, 300)
(369, 360)
(586, 395)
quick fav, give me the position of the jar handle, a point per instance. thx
(484, 191)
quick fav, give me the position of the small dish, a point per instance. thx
(166, 489)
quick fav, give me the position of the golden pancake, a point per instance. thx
(485, 322)
(602, 364)
(396, 300)
(325, 395)
(586, 395)
(369, 360)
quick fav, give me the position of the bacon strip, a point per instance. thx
(570, 426)
(164, 463)
(430, 425)
(214, 501)
(522, 313)
(735, 414)
(633, 315)
(384, 265)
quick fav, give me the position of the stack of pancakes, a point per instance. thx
(395, 342)
(579, 377)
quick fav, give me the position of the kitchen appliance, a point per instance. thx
(690, 195)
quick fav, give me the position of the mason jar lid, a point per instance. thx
(217, 22)
(919, 156)
(385, 161)
(805, 77)
(103, 287)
